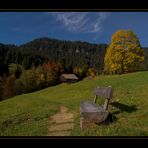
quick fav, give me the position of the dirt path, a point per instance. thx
(61, 123)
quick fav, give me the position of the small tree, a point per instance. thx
(26, 83)
(124, 53)
(91, 72)
(52, 72)
(15, 69)
(40, 77)
(1, 88)
(80, 71)
(8, 88)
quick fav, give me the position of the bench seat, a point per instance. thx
(91, 113)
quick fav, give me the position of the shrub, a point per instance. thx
(80, 71)
(91, 72)
(1, 88)
(38, 78)
(8, 88)
(15, 69)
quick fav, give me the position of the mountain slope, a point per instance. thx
(29, 114)
(70, 54)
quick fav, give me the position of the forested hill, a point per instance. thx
(70, 54)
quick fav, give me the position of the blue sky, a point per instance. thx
(94, 27)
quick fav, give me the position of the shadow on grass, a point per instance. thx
(111, 118)
(123, 108)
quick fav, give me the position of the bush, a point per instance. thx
(38, 78)
(15, 69)
(52, 72)
(8, 88)
(91, 72)
(80, 71)
(1, 88)
(26, 82)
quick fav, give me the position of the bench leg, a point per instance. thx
(83, 123)
(86, 123)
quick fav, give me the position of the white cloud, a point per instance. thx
(86, 22)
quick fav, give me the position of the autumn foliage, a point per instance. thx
(8, 86)
(124, 53)
(91, 72)
(80, 71)
(52, 72)
(1, 88)
(39, 77)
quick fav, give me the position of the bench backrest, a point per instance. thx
(105, 92)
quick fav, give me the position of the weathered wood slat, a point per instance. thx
(106, 103)
(92, 111)
(90, 107)
(105, 92)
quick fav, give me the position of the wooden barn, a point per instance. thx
(69, 78)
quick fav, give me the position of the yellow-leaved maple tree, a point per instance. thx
(124, 53)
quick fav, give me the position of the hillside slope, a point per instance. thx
(29, 114)
(69, 53)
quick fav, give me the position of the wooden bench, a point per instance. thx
(90, 112)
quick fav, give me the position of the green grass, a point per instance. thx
(29, 114)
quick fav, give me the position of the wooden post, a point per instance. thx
(95, 98)
(106, 104)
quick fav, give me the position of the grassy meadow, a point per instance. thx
(29, 114)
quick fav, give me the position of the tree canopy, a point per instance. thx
(124, 53)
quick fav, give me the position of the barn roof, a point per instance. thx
(70, 76)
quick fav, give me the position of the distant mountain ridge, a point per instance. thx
(70, 54)
(49, 43)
